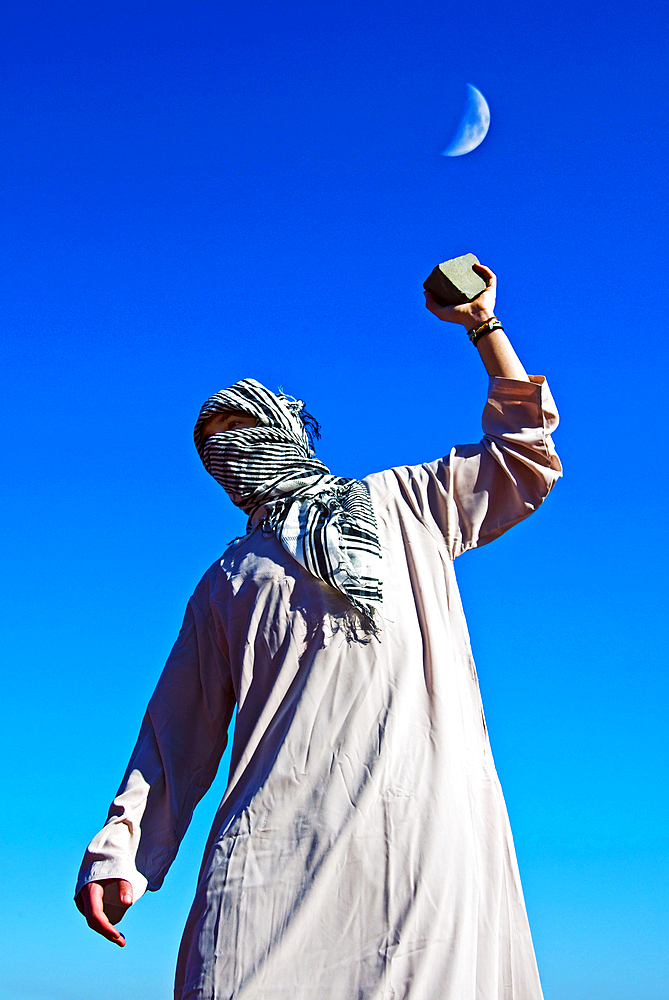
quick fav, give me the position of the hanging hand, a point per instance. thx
(103, 904)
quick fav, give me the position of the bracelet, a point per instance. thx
(480, 331)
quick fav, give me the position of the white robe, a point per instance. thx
(362, 850)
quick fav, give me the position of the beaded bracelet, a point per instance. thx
(480, 331)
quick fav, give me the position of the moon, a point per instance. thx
(474, 126)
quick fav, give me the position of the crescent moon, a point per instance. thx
(474, 126)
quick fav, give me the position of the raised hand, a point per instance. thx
(469, 314)
(495, 348)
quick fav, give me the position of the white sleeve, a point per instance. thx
(478, 491)
(182, 739)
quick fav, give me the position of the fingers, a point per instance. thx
(125, 892)
(92, 899)
(117, 899)
(451, 314)
(434, 306)
(486, 273)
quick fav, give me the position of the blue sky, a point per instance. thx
(195, 193)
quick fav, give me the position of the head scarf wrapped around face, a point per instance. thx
(326, 523)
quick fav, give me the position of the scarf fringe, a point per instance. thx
(366, 614)
(309, 422)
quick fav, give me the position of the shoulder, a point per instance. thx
(386, 486)
(407, 493)
(380, 485)
(248, 563)
(208, 586)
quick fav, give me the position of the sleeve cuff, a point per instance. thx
(111, 869)
(506, 388)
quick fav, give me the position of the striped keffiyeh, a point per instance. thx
(326, 523)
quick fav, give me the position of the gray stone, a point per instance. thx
(454, 281)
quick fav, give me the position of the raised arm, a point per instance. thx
(476, 492)
(495, 348)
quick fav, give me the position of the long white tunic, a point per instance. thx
(362, 850)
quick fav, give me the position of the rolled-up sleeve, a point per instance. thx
(479, 491)
(182, 739)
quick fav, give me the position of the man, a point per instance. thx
(362, 848)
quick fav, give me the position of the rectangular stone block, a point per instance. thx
(454, 281)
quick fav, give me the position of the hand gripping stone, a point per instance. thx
(454, 281)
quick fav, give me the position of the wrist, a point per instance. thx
(484, 329)
(476, 318)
